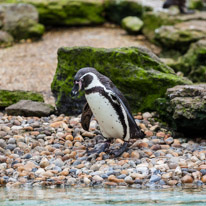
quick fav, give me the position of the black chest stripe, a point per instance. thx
(114, 104)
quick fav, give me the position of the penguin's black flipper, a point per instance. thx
(86, 117)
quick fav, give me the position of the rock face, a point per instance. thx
(185, 108)
(137, 72)
(21, 21)
(30, 108)
(8, 98)
(5, 39)
(181, 35)
(193, 63)
(69, 12)
(116, 10)
(132, 24)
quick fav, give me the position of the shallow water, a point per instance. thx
(97, 196)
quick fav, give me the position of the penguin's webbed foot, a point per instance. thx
(99, 148)
(119, 151)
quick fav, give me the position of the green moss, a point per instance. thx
(36, 31)
(69, 12)
(192, 64)
(137, 73)
(11, 97)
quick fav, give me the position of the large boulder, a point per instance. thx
(8, 98)
(185, 108)
(116, 10)
(21, 21)
(137, 72)
(181, 35)
(193, 63)
(154, 20)
(132, 24)
(30, 108)
(68, 12)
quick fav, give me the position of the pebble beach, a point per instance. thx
(52, 151)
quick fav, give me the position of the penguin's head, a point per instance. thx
(82, 79)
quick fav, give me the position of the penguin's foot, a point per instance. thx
(99, 148)
(186, 11)
(119, 151)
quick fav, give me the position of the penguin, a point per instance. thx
(181, 5)
(108, 105)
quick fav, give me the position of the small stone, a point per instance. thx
(187, 179)
(97, 178)
(169, 140)
(87, 181)
(44, 162)
(71, 181)
(2, 143)
(155, 147)
(125, 155)
(88, 134)
(203, 179)
(135, 154)
(148, 133)
(112, 178)
(128, 180)
(160, 134)
(155, 178)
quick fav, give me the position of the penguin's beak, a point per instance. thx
(76, 88)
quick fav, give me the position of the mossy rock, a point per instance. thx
(21, 21)
(132, 24)
(184, 108)
(116, 10)
(69, 12)
(138, 73)
(181, 35)
(8, 98)
(193, 63)
(154, 20)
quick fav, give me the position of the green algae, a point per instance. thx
(139, 74)
(8, 98)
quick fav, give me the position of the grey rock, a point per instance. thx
(185, 108)
(21, 20)
(30, 108)
(11, 146)
(5, 39)
(155, 178)
(2, 143)
(11, 141)
(132, 24)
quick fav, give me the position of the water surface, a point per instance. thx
(100, 196)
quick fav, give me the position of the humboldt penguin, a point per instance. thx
(108, 105)
(181, 5)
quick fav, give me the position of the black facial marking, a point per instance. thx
(114, 104)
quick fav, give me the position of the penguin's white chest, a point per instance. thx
(107, 117)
